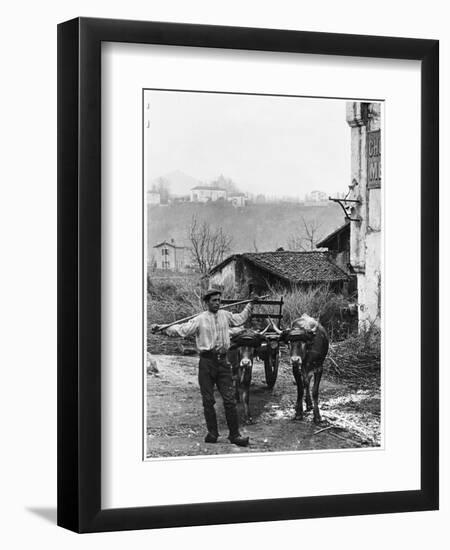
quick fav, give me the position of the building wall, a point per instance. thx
(226, 277)
(317, 196)
(237, 201)
(365, 234)
(205, 195)
(240, 277)
(170, 258)
(165, 257)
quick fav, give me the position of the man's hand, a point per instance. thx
(157, 328)
(254, 298)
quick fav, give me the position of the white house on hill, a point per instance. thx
(203, 193)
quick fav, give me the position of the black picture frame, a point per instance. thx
(79, 274)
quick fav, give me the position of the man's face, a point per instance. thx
(214, 303)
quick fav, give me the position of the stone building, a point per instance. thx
(169, 257)
(260, 271)
(338, 246)
(356, 245)
(364, 120)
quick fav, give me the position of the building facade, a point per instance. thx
(203, 193)
(262, 271)
(237, 199)
(364, 120)
(169, 257)
(317, 196)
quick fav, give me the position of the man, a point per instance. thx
(211, 329)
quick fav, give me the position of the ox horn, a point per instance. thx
(274, 326)
(265, 330)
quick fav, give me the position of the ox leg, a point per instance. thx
(237, 392)
(233, 358)
(308, 400)
(315, 394)
(299, 404)
(247, 378)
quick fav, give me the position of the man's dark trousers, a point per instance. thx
(215, 370)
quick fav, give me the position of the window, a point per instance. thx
(164, 252)
(166, 264)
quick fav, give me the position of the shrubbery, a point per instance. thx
(172, 299)
(329, 308)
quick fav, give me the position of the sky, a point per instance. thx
(277, 146)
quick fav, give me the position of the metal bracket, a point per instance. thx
(340, 201)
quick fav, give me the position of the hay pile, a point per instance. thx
(356, 357)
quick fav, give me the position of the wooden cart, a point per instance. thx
(269, 350)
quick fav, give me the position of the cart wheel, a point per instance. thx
(271, 367)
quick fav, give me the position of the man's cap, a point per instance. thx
(212, 289)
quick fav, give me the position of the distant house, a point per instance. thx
(169, 257)
(237, 199)
(260, 270)
(203, 193)
(153, 197)
(318, 196)
(178, 199)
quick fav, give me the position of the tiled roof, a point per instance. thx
(165, 243)
(295, 267)
(298, 267)
(208, 188)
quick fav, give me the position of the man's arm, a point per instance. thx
(238, 319)
(184, 330)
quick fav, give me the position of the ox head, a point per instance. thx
(247, 341)
(298, 337)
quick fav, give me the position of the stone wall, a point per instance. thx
(226, 278)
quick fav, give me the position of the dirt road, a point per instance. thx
(175, 423)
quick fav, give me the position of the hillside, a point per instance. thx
(266, 226)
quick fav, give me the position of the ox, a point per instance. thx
(241, 355)
(308, 347)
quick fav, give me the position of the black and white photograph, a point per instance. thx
(263, 255)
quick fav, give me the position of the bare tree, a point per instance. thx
(225, 183)
(309, 239)
(208, 245)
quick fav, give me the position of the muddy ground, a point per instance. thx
(175, 424)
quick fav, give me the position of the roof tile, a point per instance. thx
(298, 267)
